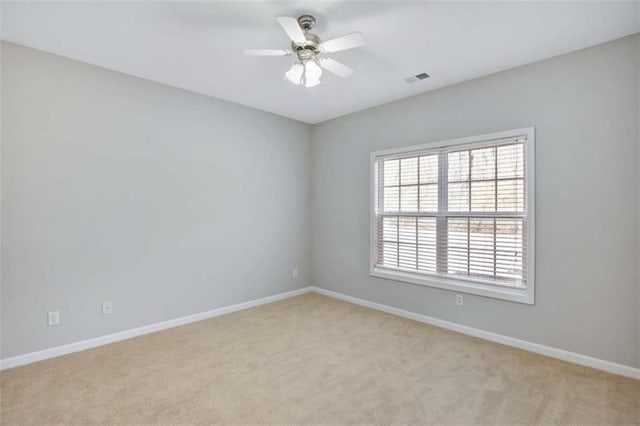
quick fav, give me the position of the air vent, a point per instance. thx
(417, 77)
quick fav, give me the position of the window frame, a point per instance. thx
(463, 284)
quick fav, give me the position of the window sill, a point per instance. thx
(461, 286)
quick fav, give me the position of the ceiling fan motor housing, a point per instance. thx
(308, 49)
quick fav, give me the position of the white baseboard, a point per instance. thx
(610, 367)
(147, 329)
(575, 358)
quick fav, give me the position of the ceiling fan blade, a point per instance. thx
(345, 42)
(335, 67)
(292, 28)
(267, 52)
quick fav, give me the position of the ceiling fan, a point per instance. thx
(311, 51)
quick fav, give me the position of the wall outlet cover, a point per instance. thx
(53, 318)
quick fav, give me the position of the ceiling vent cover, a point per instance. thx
(417, 77)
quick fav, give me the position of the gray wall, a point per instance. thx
(585, 109)
(115, 188)
(638, 130)
(171, 203)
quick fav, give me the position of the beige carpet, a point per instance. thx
(312, 360)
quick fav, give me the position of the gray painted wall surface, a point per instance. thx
(115, 188)
(638, 130)
(584, 106)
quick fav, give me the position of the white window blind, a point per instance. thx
(458, 211)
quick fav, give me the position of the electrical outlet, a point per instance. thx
(294, 273)
(107, 307)
(53, 318)
(459, 300)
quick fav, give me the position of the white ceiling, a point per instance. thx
(198, 45)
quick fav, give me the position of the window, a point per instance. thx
(457, 215)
